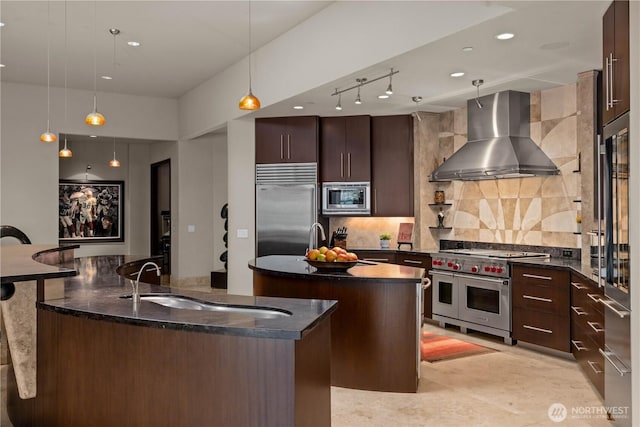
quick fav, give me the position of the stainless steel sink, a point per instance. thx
(186, 303)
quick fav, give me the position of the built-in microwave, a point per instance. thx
(346, 198)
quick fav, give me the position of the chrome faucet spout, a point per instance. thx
(135, 296)
(312, 234)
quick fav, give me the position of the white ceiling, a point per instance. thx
(184, 43)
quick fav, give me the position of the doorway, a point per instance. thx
(161, 212)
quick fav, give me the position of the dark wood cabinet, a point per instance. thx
(392, 165)
(540, 306)
(376, 255)
(587, 329)
(420, 261)
(345, 149)
(615, 60)
(287, 139)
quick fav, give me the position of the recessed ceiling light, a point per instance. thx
(1, 65)
(504, 36)
(1, 24)
(298, 107)
(133, 43)
(383, 96)
(106, 77)
(457, 74)
(93, 136)
(467, 49)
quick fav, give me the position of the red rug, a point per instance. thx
(435, 348)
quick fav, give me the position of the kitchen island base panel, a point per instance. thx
(374, 344)
(102, 373)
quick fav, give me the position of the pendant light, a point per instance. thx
(249, 101)
(94, 118)
(339, 104)
(389, 90)
(48, 136)
(65, 152)
(115, 163)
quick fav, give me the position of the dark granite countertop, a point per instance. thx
(296, 266)
(94, 293)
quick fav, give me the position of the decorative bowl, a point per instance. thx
(331, 266)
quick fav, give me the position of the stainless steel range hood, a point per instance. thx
(498, 143)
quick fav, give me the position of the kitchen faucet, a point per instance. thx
(311, 234)
(135, 296)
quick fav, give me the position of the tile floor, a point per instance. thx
(513, 387)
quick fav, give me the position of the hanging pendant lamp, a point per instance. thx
(94, 118)
(48, 136)
(65, 153)
(249, 101)
(115, 163)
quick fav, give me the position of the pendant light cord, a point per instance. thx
(65, 72)
(95, 54)
(249, 46)
(48, 65)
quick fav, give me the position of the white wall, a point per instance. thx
(241, 190)
(220, 195)
(29, 169)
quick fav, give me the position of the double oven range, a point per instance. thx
(472, 289)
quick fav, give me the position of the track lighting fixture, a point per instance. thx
(362, 82)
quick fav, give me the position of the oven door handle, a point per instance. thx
(440, 273)
(502, 281)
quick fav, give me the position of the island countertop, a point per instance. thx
(296, 266)
(95, 291)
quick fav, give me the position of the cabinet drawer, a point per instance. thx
(419, 261)
(539, 276)
(376, 256)
(547, 330)
(588, 357)
(549, 297)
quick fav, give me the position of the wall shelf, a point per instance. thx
(441, 228)
(440, 204)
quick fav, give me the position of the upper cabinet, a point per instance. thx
(392, 160)
(287, 139)
(615, 60)
(345, 149)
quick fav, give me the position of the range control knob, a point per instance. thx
(487, 268)
(449, 264)
(434, 262)
(474, 269)
(456, 266)
(493, 268)
(499, 270)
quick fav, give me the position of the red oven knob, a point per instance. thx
(439, 262)
(456, 266)
(434, 262)
(449, 264)
(474, 269)
(487, 268)
(499, 270)
(493, 269)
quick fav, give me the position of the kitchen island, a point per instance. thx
(105, 361)
(375, 329)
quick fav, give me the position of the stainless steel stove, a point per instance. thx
(472, 289)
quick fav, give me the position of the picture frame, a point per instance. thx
(90, 211)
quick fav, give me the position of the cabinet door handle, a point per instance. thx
(579, 311)
(349, 165)
(411, 261)
(595, 326)
(611, 61)
(595, 367)
(342, 165)
(535, 276)
(533, 328)
(537, 298)
(377, 259)
(609, 305)
(594, 297)
(288, 146)
(281, 147)
(606, 82)
(375, 200)
(578, 285)
(578, 345)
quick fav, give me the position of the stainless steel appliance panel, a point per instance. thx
(617, 363)
(346, 198)
(485, 301)
(284, 215)
(445, 294)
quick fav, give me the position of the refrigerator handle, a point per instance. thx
(599, 209)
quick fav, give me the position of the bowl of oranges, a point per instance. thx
(334, 259)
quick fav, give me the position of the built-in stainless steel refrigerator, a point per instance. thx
(614, 273)
(286, 207)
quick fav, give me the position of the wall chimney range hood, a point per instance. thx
(498, 143)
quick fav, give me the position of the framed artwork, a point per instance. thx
(91, 211)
